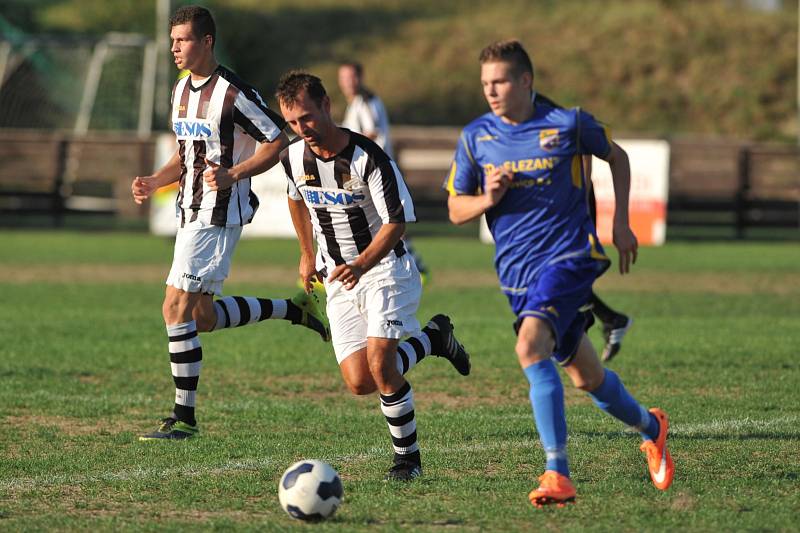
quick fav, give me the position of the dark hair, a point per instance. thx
(509, 51)
(294, 82)
(355, 65)
(200, 18)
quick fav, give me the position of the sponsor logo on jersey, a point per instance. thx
(487, 137)
(192, 129)
(307, 177)
(548, 139)
(335, 197)
(525, 165)
(530, 182)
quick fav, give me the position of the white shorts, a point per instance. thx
(202, 258)
(383, 304)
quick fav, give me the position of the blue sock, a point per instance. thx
(614, 399)
(547, 400)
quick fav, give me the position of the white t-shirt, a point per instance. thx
(367, 115)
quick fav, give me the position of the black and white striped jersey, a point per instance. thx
(349, 196)
(221, 120)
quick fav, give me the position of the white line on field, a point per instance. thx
(712, 427)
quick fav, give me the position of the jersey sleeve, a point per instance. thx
(291, 188)
(595, 136)
(255, 118)
(465, 174)
(389, 192)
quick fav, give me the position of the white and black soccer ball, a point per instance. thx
(310, 490)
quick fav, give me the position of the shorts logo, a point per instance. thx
(391, 323)
(550, 309)
(191, 277)
(548, 139)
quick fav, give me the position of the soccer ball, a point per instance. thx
(310, 490)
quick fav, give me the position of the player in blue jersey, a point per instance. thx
(520, 165)
(615, 324)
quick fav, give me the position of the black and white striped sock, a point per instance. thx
(398, 408)
(411, 351)
(235, 311)
(185, 355)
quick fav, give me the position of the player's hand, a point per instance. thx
(217, 177)
(142, 187)
(627, 246)
(308, 272)
(496, 184)
(348, 275)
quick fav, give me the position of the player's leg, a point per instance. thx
(390, 303)
(397, 405)
(609, 394)
(186, 355)
(615, 326)
(441, 342)
(535, 342)
(235, 311)
(435, 339)
(550, 327)
(197, 273)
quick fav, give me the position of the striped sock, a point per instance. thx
(185, 355)
(235, 311)
(412, 351)
(398, 408)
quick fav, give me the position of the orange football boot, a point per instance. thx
(659, 461)
(553, 488)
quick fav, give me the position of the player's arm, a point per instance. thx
(463, 208)
(305, 236)
(144, 186)
(624, 238)
(385, 240)
(264, 158)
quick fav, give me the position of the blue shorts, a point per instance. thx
(556, 296)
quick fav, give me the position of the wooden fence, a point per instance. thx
(715, 183)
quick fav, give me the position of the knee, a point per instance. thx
(528, 353)
(359, 383)
(362, 387)
(588, 383)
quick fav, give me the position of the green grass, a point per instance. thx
(83, 370)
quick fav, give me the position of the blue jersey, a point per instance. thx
(543, 217)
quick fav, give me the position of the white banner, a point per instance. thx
(649, 189)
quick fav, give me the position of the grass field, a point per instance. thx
(84, 369)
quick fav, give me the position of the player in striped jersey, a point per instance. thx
(344, 190)
(225, 135)
(520, 164)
